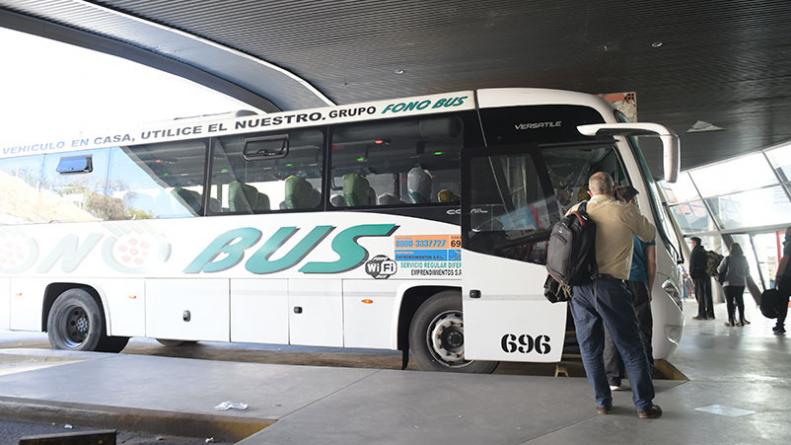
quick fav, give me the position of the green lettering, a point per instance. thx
(232, 243)
(350, 254)
(260, 262)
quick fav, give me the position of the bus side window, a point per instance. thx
(75, 187)
(21, 203)
(162, 180)
(513, 211)
(399, 162)
(260, 173)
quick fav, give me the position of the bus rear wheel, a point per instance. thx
(76, 323)
(436, 336)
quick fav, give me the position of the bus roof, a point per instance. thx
(220, 126)
(210, 126)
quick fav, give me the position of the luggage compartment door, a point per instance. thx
(188, 309)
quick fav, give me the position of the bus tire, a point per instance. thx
(76, 323)
(436, 336)
(175, 343)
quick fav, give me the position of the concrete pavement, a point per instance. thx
(737, 394)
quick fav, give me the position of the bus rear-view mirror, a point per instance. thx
(671, 145)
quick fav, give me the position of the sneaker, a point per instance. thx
(744, 322)
(603, 410)
(776, 328)
(617, 387)
(699, 317)
(654, 412)
(730, 324)
(780, 331)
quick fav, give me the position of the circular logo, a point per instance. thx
(381, 267)
(18, 252)
(135, 252)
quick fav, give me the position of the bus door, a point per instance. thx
(508, 208)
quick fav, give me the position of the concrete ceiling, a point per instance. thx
(723, 62)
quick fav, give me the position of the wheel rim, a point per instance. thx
(77, 326)
(445, 339)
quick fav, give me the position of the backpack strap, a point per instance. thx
(582, 208)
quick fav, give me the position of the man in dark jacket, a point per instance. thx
(783, 280)
(697, 270)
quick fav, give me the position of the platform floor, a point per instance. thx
(738, 393)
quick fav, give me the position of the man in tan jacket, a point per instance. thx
(607, 302)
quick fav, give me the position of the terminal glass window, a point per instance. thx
(692, 217)
(754, 208)
(258, 173)
(158, 180)
(743, 173)
(781, 161)
(681, 191)
(396, 163)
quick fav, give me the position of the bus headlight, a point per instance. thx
(672, 291)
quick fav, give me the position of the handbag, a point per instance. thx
(722, 276)
(556, 292)
(771, 301)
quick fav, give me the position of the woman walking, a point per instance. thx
(734, 270)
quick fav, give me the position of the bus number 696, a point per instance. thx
(525, 343)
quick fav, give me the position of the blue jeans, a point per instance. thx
(607, 303)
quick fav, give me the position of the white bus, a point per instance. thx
(415, 224)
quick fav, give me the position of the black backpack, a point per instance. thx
(571, 253)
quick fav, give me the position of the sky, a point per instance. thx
(50, 89)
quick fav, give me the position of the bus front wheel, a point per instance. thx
(436, 336)
(76, 323)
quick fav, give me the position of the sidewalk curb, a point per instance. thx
(222, 428)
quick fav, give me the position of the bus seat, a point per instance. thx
(189, 197)
(215, 206)
(419, 185)
(388, 199)
(300, 194)
(246, 198)
(357, 191)
(446, 196)
(337, 200)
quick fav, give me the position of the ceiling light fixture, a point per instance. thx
(399, 71)
(703, 126)
(657, 44)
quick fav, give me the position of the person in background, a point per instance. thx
(641, 281)
(734, 271)
(697, 270)
(783, 283)
(606, 302)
